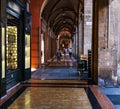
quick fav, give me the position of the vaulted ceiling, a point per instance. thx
(62, 15)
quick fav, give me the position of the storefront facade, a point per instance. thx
(15, 40)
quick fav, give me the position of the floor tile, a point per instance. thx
(52, 98)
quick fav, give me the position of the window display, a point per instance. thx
(3, 52)
(27, 51)
(11, 47)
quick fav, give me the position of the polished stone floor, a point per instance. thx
(59, 74)
(52, 98)
(41, 96)
(65, 70)
(56, 86)
(64, 63)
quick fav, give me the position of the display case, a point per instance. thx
(11, 48)
(27, 51)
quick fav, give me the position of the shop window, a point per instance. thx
(3, 52)
(11, 43)
(27, 51)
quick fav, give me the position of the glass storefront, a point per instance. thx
(27, 51)
(11, 44)
(3, 52)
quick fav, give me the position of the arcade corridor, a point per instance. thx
(60, 54)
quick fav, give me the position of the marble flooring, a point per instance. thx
(59, 93)
(65, 70)
(64, 63)
(40, 96)
(52, 98)
(59, 74)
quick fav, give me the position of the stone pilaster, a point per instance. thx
(94, 72)
(87, 25)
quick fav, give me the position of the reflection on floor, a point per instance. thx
(57, 86)
(64, 63)
(65, 70)
(52, 98)
(59, 73)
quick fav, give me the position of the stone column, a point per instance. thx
(78, 37)
(94, 64)
(87, 25)
(73, 44)
(81, 36)
(76, 44)
(57, 43)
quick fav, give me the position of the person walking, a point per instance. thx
(64, 52)
(59, 55)
(70, 52)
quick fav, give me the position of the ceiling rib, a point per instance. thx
(61, 14)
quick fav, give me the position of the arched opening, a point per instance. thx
(66, 26)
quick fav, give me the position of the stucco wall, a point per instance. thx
(35, 9)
